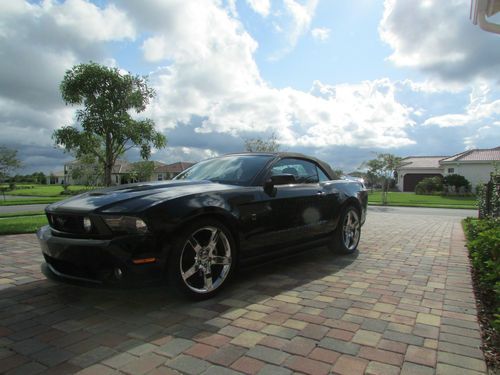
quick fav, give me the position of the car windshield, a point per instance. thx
(231, 169)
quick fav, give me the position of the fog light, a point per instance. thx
(87, 224)
(118, 273)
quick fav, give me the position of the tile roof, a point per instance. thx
(475, 155)
(174, 167)
(421, 162)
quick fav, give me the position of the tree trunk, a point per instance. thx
(108, 163)
(384, 192)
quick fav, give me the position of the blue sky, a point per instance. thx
(336, 79)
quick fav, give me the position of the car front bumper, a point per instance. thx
(102, 260)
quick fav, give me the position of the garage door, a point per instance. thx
(412, 179)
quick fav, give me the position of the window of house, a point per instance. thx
(451, 170)
(160, 177)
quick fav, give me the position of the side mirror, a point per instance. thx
(280, 179)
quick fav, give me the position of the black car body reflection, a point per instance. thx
(196, 229)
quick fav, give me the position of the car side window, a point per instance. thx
(322, 176)
(303, 171)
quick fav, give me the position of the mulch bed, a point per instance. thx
(490, 336)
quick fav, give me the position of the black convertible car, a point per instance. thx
(195, 230)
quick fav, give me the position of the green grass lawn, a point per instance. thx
(21, 213)
(44, 190)
(22, 224)
(37, 200)
(414, 200)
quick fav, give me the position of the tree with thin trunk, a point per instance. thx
(8, 161)
(261, 145)
(383, 167)
(107, 130)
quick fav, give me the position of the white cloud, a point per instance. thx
(210, 92)
(438, 37)
(39, 41)
(480, 109)
(298, 23)
(212, 76)
(262, 7)
(90, 22)
(321, 33)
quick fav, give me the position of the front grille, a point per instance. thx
(68, 223)
(96, 267)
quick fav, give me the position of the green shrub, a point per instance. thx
(429, 185)
(457, 181)
(484, 247)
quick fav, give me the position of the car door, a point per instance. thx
(318, 202)
(291, 214)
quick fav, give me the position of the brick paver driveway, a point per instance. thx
(404, 304)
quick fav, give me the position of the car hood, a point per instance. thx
(135, 197)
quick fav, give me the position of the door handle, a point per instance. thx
(321, 193)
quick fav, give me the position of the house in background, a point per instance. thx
(121, 172)
(475, 165)
(56, 178)
(414, 169)
(169, 171)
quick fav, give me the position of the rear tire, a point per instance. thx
(202, 260)
(346, 236)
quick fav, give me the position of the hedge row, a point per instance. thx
(484, 246)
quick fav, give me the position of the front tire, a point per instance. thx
(202, 259)
(348, 232)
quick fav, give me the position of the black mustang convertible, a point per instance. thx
(195, 230)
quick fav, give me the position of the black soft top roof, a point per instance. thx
(324, 165)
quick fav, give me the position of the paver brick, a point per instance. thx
(368, 338)
(226, 355)
(377, 368)
(339, 346)
(307, 366)
(314, 331)
(51, 357)
(340, 334)
(423, 356)
(300, 346)
(247, 339)
(380, 355)
(30, 368)
(188, 365)
(268, 355)
(92, 356)
(410, 368)
(445, 369)
(461, 340)
(404, 338)
(96, 369)
(219, 370)
(349, 365)
(174, 347)
(324, 355)
(200, 350)
(461, 361)
(279, 331)
(248, 365)
(460, 349)
(273, 370)
(119, 360)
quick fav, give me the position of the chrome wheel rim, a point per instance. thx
(351, 230)
(205, 259)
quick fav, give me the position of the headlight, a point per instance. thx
(87, 224)
(127, 224)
